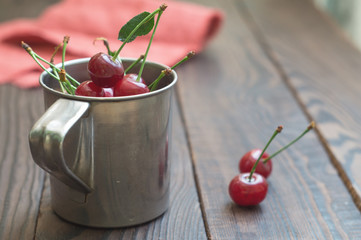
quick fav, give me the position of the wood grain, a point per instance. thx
(183, 220)
(324, 71)
(21, 181)
(233, 98)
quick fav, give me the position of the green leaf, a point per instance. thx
(134, 22)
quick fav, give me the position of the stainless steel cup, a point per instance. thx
(108, 158)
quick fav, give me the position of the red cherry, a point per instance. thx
(248, 193)
(249, 159)
(108, 92)
(133, 77)
(104, 71)
(88, 88)
(128, 86)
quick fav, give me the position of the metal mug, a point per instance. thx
(108, 158)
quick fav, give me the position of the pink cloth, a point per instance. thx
(183, 27)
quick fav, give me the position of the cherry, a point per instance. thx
(88, 88)
(104, 71)
(108, 92)
(249, 159)
(129, 86)
(133, 77)
(248, 192)
(265, 167)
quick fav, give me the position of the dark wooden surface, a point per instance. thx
(274, 62)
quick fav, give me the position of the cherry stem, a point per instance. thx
(65, 43)
(133, 64)
(163, 73)
(32, 54)
(309, 127)
(158, 10)
(189, 55)
(55, 52)
(105, 42)
(65, 82)
(150, 42)
(63, 89)
(154, 84)
(277, 131)
(65, 85)
(72, 80)
(55, 75)
(62, 75)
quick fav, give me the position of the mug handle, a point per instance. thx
(47, 136)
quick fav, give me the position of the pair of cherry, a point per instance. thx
(250, 186)
(108, 79)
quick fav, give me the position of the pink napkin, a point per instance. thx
(183, 27)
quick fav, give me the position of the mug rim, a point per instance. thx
(107, 99)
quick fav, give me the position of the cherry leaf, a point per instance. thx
(144, 29)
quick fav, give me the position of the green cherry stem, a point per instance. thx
(63, 89)
(44, 68)
(72, 80)
(65, 43)
(65, 82)
(62, 74)
(55, 52)
(309, 127)
(36, 58)
(105, 42)
(148, 47)
(158, 10)
(63, 85)
(150, 43)
(189, 55)
(154, 84)
(163, 73)
(133, 64)
(277, 131)
(32, 54)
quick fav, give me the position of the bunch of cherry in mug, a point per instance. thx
(107, 76)
(107, 79)
(250, 187)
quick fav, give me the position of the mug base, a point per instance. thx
(104, 226)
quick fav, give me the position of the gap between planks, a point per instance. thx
(189, 146)
(40, 204)
(267, 49)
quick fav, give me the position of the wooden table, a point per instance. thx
(275, 62)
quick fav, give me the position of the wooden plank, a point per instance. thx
(21, 181)
(233, 98)
(325, 72)
(183, 220)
